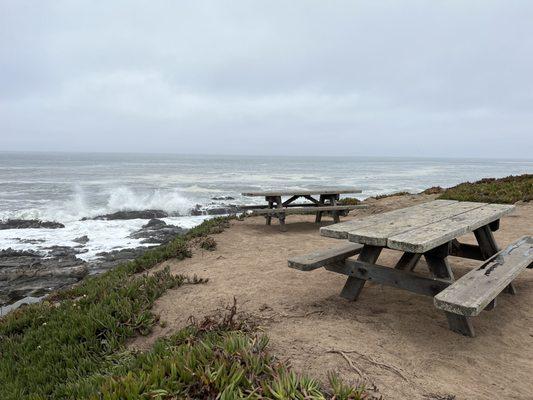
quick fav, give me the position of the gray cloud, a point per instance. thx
(268, 77)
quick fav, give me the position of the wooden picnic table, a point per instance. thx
(326, 202)
(431, 230)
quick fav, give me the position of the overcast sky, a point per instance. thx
(399, 78)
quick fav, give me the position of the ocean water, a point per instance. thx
(66, 187)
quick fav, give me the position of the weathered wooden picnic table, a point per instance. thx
(327, 202)
(431, 230)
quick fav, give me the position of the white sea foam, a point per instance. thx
(79, 205)
(103, 235)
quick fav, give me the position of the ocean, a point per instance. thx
(66, 187)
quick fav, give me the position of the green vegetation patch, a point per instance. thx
(47, 350)
(349, 201)
(219, 358)
(504, 190)
(384, 196)
(72, 346)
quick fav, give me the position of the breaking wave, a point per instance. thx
(84, 203)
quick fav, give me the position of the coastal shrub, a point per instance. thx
(504, 190)
(72, 346)
(433, 190)
(208, 243)
(384, 196)
(221, 357)
(349, 201)
(45, 348)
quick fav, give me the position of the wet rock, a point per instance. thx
(217, 209)
(157, 232)
(9, 252)
(28, 273)
(63, 251)
(154, 224)
(142, 214)
(223, 198)
(109, 259)
(29, 223)
(81, 240)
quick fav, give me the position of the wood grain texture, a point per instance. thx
(378, 233)
(301, 210)
(320, 258)
(425, 238)
(309, 192)
(470, 294)
(390, 276)
(340, 231)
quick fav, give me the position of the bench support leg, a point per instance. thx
(488, 247)
(460, 324)
(492, 305)
(510, 289)
(353, 286)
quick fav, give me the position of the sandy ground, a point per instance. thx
(406, 347)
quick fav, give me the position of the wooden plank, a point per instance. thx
(377, 234)
(425, 238)
(389, 276)
(317, 259)
(289, 192)
(474, 291)
(301, 210)
(340, 231)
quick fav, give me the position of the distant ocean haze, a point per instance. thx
(67, 187)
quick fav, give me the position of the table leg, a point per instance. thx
(281, 215)
(333, 201)
(269, 216)
(489, 247)
(318, 217)
(408, 261)
(353, 286)
(437, 260)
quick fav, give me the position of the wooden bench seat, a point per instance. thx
(478, 289)
(303, 210)
(324, 257)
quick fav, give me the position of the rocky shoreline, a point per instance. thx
(32, 274)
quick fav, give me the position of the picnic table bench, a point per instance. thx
(430, 230)
(327, 202)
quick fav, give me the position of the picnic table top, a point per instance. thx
(308, 192)
(419, 228)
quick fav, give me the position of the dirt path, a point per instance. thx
(406, 347)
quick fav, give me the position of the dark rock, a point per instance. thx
(64, 251)
(27, 273)
(157, 232)
(109, 259)
(223, 198)
(29, 223)
(215, 209)
(82, 239)
(154, 224)
(142, 214)
(9, 252)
